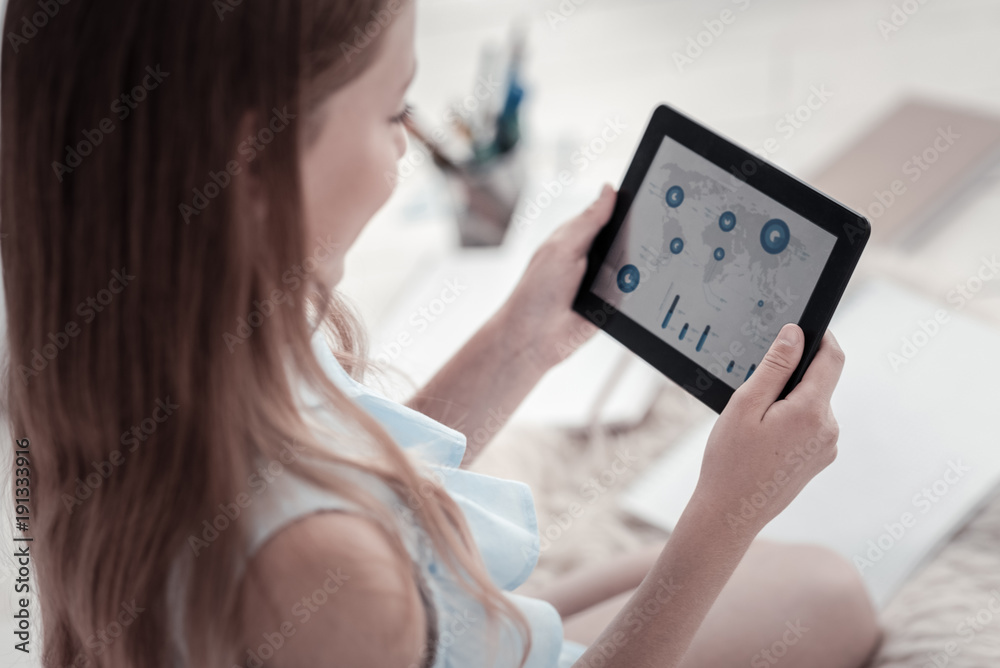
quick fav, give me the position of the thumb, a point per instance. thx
(586, 226)
(770, 377)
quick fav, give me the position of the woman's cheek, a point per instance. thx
(379, 173)
(401, 142)
(391, 152)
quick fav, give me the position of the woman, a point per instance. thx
(180, 182)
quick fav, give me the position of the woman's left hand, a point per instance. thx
(540, 321)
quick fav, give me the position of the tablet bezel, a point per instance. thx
(851, 229)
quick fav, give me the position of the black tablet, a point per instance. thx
(709, 252)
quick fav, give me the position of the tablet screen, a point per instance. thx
(710, 265)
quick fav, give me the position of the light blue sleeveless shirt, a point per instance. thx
(500, 514)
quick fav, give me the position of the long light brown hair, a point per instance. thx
(119, 304)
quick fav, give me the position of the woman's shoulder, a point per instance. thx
(331, 583)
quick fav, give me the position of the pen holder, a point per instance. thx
(486, 195)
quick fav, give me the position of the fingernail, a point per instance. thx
(790, 335)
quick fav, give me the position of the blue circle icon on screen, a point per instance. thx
(677, 245)
(719, 253)
(760, 303)
(774, 236)
(675, 196)
(727, 221)
(628, 278)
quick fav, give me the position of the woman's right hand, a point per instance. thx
(762, 451)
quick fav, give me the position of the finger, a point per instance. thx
(585, 227)
(772, 374)
(824, 371)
